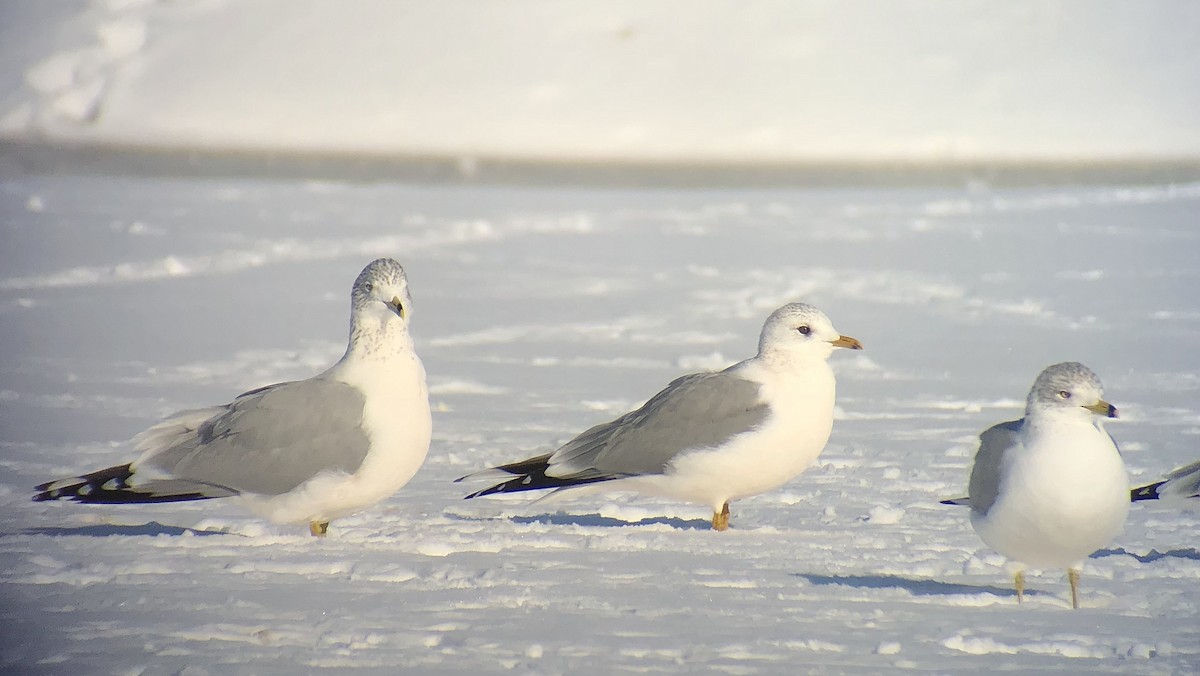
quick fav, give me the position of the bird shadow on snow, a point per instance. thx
(152, 528)
(916, 587)
(1151, 556)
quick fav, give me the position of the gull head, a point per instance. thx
(380, 294)
(800, 328)
(1069, 388)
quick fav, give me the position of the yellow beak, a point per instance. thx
(398, 307)
(847, 341)
(1103, 408)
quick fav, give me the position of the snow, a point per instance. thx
(773, 81)
(541, 311)
(129, 290)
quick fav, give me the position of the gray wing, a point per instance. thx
(269, 440)
(1183, 482)
(702, 410)
(994, 443)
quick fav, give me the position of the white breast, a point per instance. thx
(1064, 495)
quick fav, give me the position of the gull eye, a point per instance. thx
(1063, 394)
(803, 329)
(368, 287)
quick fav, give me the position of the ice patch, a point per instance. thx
(389, 573)
(301, 568)
(232, 633)
(815, 645)
(888, 648)
(1077, 648)
(435, 549)
(975, 645)
(730, 583)
(885, 516)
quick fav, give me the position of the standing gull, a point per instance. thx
(1049, 489)
(306, 451)
(709, 437)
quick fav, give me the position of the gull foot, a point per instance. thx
(1073, 578)
(720, 520)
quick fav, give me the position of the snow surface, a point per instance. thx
(674, 81)
(538, 313)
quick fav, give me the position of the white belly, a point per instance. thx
(1063, 499)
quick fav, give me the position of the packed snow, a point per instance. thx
(539, 312)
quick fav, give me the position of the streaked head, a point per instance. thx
(381, 292)
(1069, 387)
(801, 327)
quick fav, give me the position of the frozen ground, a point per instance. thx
(540, 312)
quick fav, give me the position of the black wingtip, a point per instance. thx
(1147, 492)
(85, 486)
(957, 502)
(530, 475)
(498, 488)
(109, 486)
(526, 482)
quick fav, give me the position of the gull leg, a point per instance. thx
(1019, 581)
(721, 519)
(318, 528)
(1073, 578)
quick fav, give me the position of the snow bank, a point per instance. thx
(779, 81)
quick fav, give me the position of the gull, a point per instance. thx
(709, 438)
(1049, 489)
(307, 451)
(1180, 484)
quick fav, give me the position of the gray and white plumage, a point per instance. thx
(306, 451)
(1051, 488)
(709, 437)
(1180, 484)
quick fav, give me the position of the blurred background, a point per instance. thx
(772, 91)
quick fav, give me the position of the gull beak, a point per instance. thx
(1103, 408)
(397, 306)
(847, 341)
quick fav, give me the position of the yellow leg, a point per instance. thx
(1019, 581)
(1073, 578)
(318, 528)
(721, 519)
